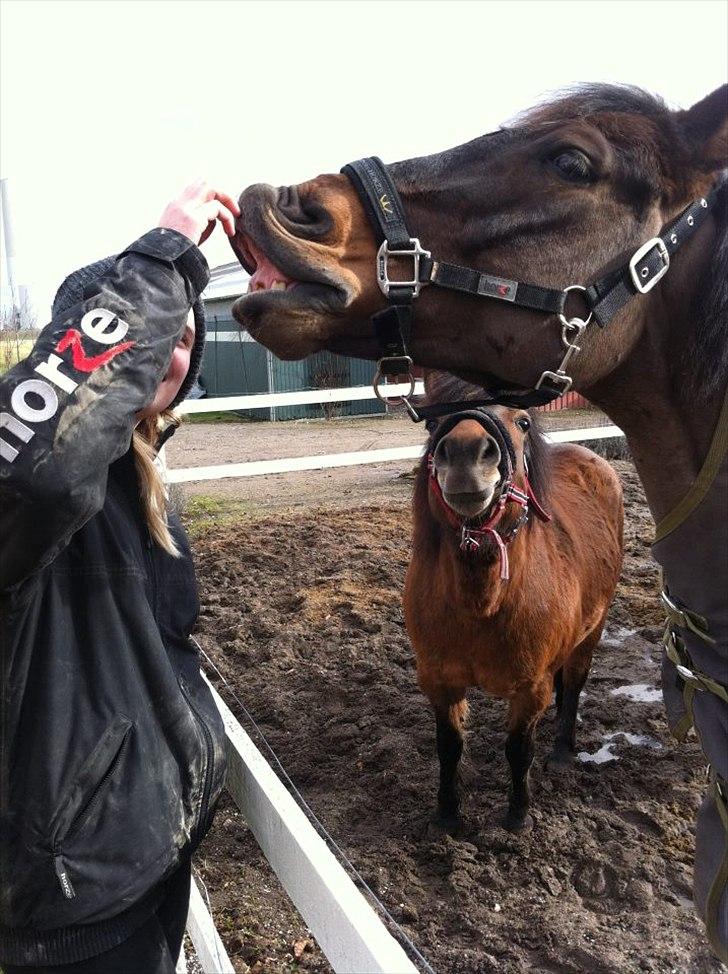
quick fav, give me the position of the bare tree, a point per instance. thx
(18, 332)
(329, 372)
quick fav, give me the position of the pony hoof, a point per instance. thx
(517, 822)
(561, 760)
(447, 821)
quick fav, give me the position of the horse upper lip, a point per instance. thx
(242, 251)
(293, 268)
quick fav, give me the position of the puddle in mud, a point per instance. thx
(639, 693)
(606, 753)
(616, 635)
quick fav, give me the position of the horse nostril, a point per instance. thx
(306, 217)
(489, 451)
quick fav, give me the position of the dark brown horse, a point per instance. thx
(568, 193)
(500, 594)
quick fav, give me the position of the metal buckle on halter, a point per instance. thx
(644, 273)
(560, 377)
(383, 279)
(389, 366)
(564, 298)
(556, 378)
(467, 541)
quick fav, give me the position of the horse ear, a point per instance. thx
(705, 127)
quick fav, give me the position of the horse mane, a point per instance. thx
(707, 362)
(592, 98)
(444, 387)
(703, 372)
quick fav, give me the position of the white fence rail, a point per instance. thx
(347, 929)
(302, 398)
(211, 954)
(256, 468)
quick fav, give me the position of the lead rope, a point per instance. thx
(398, 933)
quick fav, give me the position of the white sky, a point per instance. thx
(108, 109)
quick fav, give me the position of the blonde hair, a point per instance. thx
(152, 485)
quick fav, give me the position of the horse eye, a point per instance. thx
(524, 424)
(573, 166)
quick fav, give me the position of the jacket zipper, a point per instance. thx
(207, 787)
(59, 863)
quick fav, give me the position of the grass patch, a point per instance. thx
(14, 350)
(220, 417)
(203, 512)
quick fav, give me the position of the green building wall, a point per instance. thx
(233, 365)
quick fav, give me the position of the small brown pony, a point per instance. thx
(497, 598)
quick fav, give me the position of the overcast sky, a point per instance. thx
(109, 108)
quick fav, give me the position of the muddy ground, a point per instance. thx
(301, 613)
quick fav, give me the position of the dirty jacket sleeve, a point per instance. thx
(68, 411)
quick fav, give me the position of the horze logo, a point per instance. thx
(36, 401)
(497, 287)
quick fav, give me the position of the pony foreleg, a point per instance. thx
(526, 709)
(449, 751)
(449, 723)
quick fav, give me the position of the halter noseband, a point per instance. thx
(472, 535)
(393, 325)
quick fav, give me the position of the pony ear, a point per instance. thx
(705, 127)
(430, 378)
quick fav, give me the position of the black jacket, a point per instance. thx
(111, 748)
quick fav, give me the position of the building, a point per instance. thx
(234, 364)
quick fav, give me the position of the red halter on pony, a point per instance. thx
(472, 535)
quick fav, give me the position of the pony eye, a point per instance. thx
(524, 424)
(573, 166)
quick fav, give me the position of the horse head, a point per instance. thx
(560, 197)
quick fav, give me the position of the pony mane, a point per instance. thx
(444, 387)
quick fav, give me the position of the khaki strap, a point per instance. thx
(719, 884)
(683, 618)
(711, 465)
(687, 672)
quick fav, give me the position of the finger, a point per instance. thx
(206, 233)
(228, 201)
(215, 210)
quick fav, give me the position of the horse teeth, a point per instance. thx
(278, 286)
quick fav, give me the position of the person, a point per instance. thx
(111, 748)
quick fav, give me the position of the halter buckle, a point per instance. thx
(383, 279)
(390, 366)
(468, 543)
(641, 276)
(564, 298)
(556, 378)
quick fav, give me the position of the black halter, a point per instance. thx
(393, 325)
(490, 423)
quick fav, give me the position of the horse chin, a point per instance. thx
(293, 323)
(472, 508)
